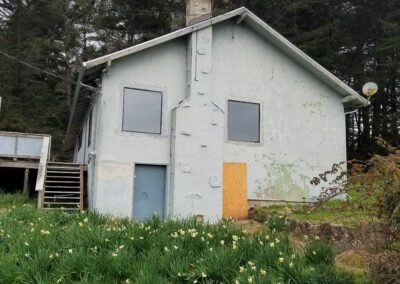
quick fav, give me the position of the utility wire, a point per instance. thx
(36, 68)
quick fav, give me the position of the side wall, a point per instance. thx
(302, 120)
(161, 68)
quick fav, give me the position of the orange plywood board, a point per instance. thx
(234, 193)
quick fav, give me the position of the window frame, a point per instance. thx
(244, 101)
(161, 110)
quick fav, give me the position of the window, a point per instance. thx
(243, 121)
(142, 111)
(90, 128)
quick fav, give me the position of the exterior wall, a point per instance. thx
(302, 120)
(302, 124)
(198, 139)
(161, 68)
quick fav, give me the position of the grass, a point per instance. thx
(333, 211)
(9, 200)
(39, 246)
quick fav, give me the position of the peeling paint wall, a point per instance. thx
(302, 123)
(302, 120)
(161, 68)
(196, 147)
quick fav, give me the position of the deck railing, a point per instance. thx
(21, 145)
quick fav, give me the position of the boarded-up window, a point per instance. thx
(243, 121)
(142, 111)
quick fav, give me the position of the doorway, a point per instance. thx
(149, 191)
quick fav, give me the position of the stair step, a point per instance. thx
(61, 192)
(63, 181)
(60, 208)
(72, 169)
(65, 203)
(64, 177)
(61, 186)
(62, 163)
(61, 197)
(61, 172)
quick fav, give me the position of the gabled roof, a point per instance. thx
(92, 68)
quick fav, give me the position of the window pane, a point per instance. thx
(142, 111)
(243, 121)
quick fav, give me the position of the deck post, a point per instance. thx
(25, 190)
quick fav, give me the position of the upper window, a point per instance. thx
(142, 111)
(243, 121)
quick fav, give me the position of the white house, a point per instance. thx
(206, 118)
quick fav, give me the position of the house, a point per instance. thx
(207, 119)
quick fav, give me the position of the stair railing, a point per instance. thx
(41, 176)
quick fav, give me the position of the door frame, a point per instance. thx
(166, 187)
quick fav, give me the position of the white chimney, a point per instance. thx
(197, 11)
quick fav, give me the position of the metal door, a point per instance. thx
(149, 191)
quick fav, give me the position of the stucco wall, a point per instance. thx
(161, 68)
(302, 120)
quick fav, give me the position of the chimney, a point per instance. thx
(197, 11)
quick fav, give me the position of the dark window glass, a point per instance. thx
(142, 111)
(243, 121)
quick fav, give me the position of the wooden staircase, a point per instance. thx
(64, 186)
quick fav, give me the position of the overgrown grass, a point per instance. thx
(56, 247)
(333, 211)
(9, 200)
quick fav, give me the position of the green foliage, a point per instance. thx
(39, 246)
(319, 252)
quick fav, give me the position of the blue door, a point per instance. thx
(149, 191)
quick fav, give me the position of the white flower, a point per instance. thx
(235, 238)
(80, 224)
(121, 247)
(86, 220)
(70, 250)
(272, 244)
(175, 247)
(291, 264)
(26, 244)
(314, 253)
(263, 272)
(250, 279)
(281, 259)
(114, 254)
(203, 275)
(241, 269)
(166, 249)
(222, 242)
